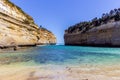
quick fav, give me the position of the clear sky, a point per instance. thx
(58, 15)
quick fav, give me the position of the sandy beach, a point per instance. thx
(56, 72)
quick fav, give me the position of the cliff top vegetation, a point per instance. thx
(82, 27)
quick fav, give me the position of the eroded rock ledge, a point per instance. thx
(18, 29)
(104, 31)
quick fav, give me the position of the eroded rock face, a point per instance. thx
(18, 28)
(104, 31)
(104, 35)
(46, 37)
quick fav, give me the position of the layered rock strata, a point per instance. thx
(104, 35)
(102, 32)
(46, 37)
(18, 28)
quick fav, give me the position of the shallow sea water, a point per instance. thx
(63, 55)
(59, 62)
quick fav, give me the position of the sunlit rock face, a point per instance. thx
(17, 27)
(46, 37)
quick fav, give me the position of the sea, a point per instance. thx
(63, 56)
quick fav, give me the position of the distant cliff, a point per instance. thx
(104, 31)
(18, 28)
(46, 37)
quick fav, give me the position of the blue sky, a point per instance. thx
(58, 15)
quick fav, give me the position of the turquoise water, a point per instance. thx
(63, 55)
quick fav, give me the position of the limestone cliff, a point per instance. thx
(104, 31)
(17, 28)
(46, 37)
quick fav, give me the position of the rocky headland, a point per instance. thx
(104, 31)
(17, 29)
(46, 37)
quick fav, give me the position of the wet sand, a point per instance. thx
(57, 72)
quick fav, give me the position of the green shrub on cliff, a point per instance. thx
(113, 15)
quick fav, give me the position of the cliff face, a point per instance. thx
(99, 32)
(16, 27)
(46, 37)
(104, 35)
